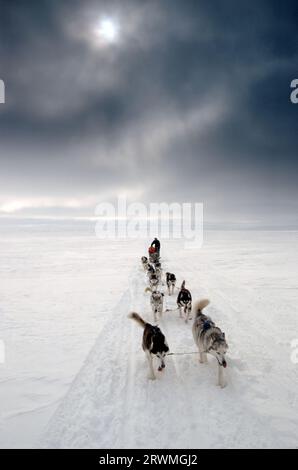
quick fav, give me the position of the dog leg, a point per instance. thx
(189, 312)
(151, 375)
(160, 312)
(185, 314)
(221, 378)
(203, 356)
(180, 311)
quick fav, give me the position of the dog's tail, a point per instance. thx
(148, 289)
(200, 305)
(136, 317)
(182, 285)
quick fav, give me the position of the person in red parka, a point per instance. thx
(156, 245)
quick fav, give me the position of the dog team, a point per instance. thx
(208, 338)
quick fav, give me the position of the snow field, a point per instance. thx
(112, 404)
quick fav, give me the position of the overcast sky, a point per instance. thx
(160, 100)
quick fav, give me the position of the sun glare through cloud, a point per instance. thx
(107, 31)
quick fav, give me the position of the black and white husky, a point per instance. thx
(153, 281)
(154, 343)
(158, 270)
(156, 301)
(209, 339)
(150, 269)
(171, 282)
(184, 302)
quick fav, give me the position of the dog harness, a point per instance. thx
(207, 325)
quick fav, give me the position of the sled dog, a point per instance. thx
(184, 302)
(209, 339)
(158, 270)
(153, 281)
(145, 262)
(154, 343)
(171, 282)
(156, 301)
(150, 269)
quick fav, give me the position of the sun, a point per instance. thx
(108, 30)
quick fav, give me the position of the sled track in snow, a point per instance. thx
(147, 402)
(117, 405)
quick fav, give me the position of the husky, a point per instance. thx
(153, 281)
(209, 339)
(171, 282)
(156, 301)
(184, 301)
(158, 270)
(154, 343)
(150, 269)
(145, 262)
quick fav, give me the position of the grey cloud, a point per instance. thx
(191, 104)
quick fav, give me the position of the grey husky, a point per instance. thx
(209, 339)
(156, 301)
(145, 262)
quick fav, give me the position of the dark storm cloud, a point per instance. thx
(194, 90)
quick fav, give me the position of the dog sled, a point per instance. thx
(153, 255)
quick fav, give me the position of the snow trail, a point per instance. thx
(112, 404)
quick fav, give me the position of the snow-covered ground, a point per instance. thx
(251, 280)
(62, 290)
(57, 287)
